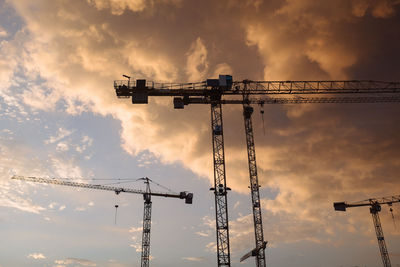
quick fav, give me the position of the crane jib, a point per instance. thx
(182, 195)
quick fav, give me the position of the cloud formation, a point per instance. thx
(309, 155)
(36, 256)
(74, 261)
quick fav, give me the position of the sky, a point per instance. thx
(60, 117)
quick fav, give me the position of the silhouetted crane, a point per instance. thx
(145, 257)
(375, 207)
(226, 91)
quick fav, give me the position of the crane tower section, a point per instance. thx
(146, 226)
(220, 189)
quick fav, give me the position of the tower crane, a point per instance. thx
(224, 90)
(145, 256)
(375, 207)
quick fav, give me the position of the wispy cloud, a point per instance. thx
(74, 261)
(197, 62)
(3, 33)
(12, 199)
(202, 233)
(82, 208)
(62, 133)
(36, 256)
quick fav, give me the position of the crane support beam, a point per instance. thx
(254, 187)
(220, 189)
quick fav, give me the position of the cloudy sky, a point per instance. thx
(59, 117)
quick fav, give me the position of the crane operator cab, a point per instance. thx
(224, 82)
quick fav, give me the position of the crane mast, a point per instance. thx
(254, 186)
(146, 226)
(226, 91)
(145, 256)
(220, 189)
(375, 208)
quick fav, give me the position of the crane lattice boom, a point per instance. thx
(264, 87)
(117, 190)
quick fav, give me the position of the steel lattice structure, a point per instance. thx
(375, 208)
(225, 91)
(220, 189)
(145, 256)
(146, 226)
(254, 186)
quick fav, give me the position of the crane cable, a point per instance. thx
(162, 186)
(115, 219)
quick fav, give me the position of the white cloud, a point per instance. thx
(86, 142)
(40, 98)
(80, 208)
(36, 256)
(202, 233)
(135, 229)
(118, 7)
(3, 33)
(52, 205)
(62, 133)
(65, 167)
(71, 261)
(137, 247)
(62, 146)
